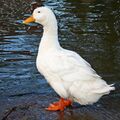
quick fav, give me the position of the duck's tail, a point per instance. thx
(117, 86)
(105, 90)
(112, 87)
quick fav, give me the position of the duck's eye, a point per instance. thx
(38, 11)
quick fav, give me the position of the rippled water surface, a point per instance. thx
(89, 27)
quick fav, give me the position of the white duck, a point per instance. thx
(68, 73)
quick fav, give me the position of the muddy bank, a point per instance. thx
(32, 107)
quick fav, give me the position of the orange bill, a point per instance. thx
(29, 20)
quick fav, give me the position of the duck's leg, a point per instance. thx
(60, 105)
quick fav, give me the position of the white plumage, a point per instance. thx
(67, 72)
(72, 77)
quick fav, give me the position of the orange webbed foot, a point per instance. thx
(60, 105)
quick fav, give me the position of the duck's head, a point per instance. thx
(41, 15)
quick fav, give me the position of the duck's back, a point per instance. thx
(71, 76)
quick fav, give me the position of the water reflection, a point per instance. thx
(97, 111)
(74, 116)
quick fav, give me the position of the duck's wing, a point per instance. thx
(69, 66)
(73, 74)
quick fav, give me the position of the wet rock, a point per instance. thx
(32, 107)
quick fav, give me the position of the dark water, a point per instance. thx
(89, 27)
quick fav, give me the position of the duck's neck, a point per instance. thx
(49, 39)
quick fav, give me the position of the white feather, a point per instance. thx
(67, 72)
